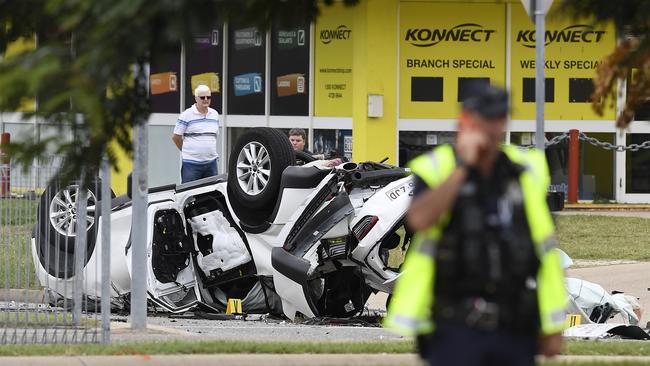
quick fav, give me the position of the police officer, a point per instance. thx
(481, 284)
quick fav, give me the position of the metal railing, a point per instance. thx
(50, 280)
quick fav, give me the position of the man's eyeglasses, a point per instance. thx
(205, 97)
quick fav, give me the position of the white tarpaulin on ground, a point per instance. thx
(593, 330)
(599, 331)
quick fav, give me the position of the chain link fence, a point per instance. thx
(556, 140)
(609, 146)
(45, 274)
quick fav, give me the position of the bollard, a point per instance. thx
(574, 163)
(5, 167)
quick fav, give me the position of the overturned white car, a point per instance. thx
(283, 238)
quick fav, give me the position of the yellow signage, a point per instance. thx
(15, 48)
(445, 49)
(333, 62)
(574, 49)
(209, 79)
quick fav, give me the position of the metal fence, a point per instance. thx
(50, 277)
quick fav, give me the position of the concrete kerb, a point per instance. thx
(607, 207)
(23, 296)
(220, 359)
(125, 328)
(267, 359)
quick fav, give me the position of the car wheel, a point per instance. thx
(256, 164)
(56, 229)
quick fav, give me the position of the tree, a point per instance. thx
(630, 60)
(85, 68)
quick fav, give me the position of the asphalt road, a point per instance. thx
(255, 329)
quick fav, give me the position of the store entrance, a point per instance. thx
(635, 182)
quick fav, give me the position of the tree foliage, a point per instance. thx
(630, 59)
(84, 70)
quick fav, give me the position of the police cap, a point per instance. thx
(488, 101)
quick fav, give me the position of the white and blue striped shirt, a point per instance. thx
(199, 133)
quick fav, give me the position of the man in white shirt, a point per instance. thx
(195, 135)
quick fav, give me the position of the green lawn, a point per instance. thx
(34, 319)
(208, 347)
(16, 211)
(592, 237)
(604, 237)
(611, 348)
(18, 217)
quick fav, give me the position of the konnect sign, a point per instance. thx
(468, 32)
(342, 32)
(577, 33)
(445, 48)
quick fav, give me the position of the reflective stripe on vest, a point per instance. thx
(413, 294)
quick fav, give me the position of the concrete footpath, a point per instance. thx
(617, 213)
(266, 359)
(220, 359)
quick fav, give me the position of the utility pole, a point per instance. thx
(537, 10)
(540, 84)
(139, 220)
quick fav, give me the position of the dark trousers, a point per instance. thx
(193, 171)
(457, 344)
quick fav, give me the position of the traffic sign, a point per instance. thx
(531, 7)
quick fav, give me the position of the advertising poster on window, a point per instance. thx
(333, 62)
(290, 70)
(574, 49)
(446, 49)
(164, 80)
(333, 143)
(204, 65)
(246, 65)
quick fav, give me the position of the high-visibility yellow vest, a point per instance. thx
(409, 312)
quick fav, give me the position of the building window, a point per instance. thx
(426, 89)
(467, 85)
(246, 70)
(580, 90)
(164, 79)
(204, 65)
(290, 70)
(529, 90)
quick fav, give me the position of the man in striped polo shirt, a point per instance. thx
(195, 135)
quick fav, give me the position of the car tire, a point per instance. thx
(56, 227)
(255, 168)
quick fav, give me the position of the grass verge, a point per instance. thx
(18, 218)
(43, 320)
(610, 348)
(207, 347)
(604, 237)
(591, 348)
(16, 264)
